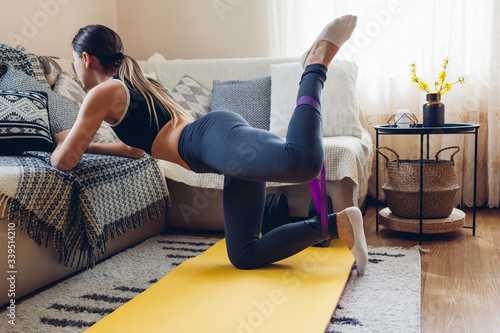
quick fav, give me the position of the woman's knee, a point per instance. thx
(313, 165)
(243, 256)
(240, 261)
(308, 166)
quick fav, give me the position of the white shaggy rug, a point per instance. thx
(386, 299)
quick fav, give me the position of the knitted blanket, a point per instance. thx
(104, 196)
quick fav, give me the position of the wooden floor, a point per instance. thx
(460, 273)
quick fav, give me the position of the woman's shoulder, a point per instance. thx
(109, 90)
(110, 96)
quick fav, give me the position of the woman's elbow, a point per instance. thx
(63, 163)
(61, 166)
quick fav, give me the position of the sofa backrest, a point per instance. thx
(170, 72)
(205, 71)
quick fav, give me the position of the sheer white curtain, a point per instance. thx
(392, 34)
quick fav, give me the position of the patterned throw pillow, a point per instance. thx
(22, 61)
(69, 88)
(251, 99)
(53, 67)
(62, 112)
(23, 122)
(192, 97)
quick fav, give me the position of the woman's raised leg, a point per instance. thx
(244, 199)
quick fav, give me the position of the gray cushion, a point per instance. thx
(62, 112)
(23, 122)
(250, 98)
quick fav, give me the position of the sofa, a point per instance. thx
(260, 89)
(232, 84)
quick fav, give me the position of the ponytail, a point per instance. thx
(107, 46)
(152, 91)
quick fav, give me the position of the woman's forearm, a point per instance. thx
(114, 148)
(67, 161)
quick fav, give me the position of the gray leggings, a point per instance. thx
(223, 142)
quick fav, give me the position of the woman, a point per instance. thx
(146, 118)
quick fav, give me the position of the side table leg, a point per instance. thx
(376, 179)
(475, 184)
(421, 185)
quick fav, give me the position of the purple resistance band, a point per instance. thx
(318, 192)
(309, 100)
(319, 197)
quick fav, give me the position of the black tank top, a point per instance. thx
(137, 127)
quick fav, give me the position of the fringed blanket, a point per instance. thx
(102, 197)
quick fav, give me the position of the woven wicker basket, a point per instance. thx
(402, 188)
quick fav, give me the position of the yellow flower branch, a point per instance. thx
(440, 85)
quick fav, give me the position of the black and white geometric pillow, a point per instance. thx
(22, 61)
(62, 112)
(23, 122)
(192, 97)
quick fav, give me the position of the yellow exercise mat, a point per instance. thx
(207, 294)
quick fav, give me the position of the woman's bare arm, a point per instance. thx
(114, 148)
(71, 145)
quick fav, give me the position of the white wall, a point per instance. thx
(48, 26)
(175, 28)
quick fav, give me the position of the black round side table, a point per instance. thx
(426, 132)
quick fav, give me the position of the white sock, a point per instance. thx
(340, 30)
(336, 32)
(359, 249)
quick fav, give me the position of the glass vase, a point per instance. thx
(433, 111)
